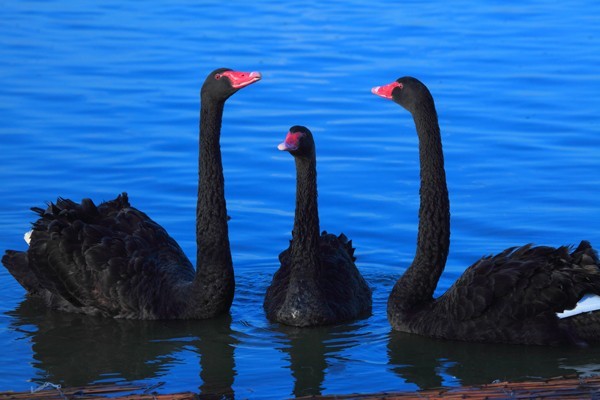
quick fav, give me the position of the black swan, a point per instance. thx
(512, 297)
(317, 283)
(113, 260)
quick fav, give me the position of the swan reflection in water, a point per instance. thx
(78, 350)
(311, 351)
(431, 363)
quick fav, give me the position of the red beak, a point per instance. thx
(242, 79)
(291, 143)
(386, 90)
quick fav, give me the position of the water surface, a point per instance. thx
(98, 99)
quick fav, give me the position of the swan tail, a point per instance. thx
(17, 265)
(64, 217)
(587, 284)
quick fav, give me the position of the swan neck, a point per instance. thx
(212, 238)
(418, 283)
(305, 235)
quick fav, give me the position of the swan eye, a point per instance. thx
(218, 76)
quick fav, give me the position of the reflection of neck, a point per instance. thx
(213, 251)
(305, 236)
(307, 360)
(420, 280)
(216, 344)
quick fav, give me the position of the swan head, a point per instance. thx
(298, 142)
(407, 91)
(223, 82)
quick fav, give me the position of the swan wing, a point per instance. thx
(523, 283)
(111, 259)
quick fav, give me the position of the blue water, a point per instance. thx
(98, 98)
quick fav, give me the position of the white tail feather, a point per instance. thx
(27, 237)
(591, 303)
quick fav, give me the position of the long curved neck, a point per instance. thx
(305, 236)
(212, 239)
(418, 283)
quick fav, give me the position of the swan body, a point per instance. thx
(512, 297)
(115, 261)
(318, 282)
